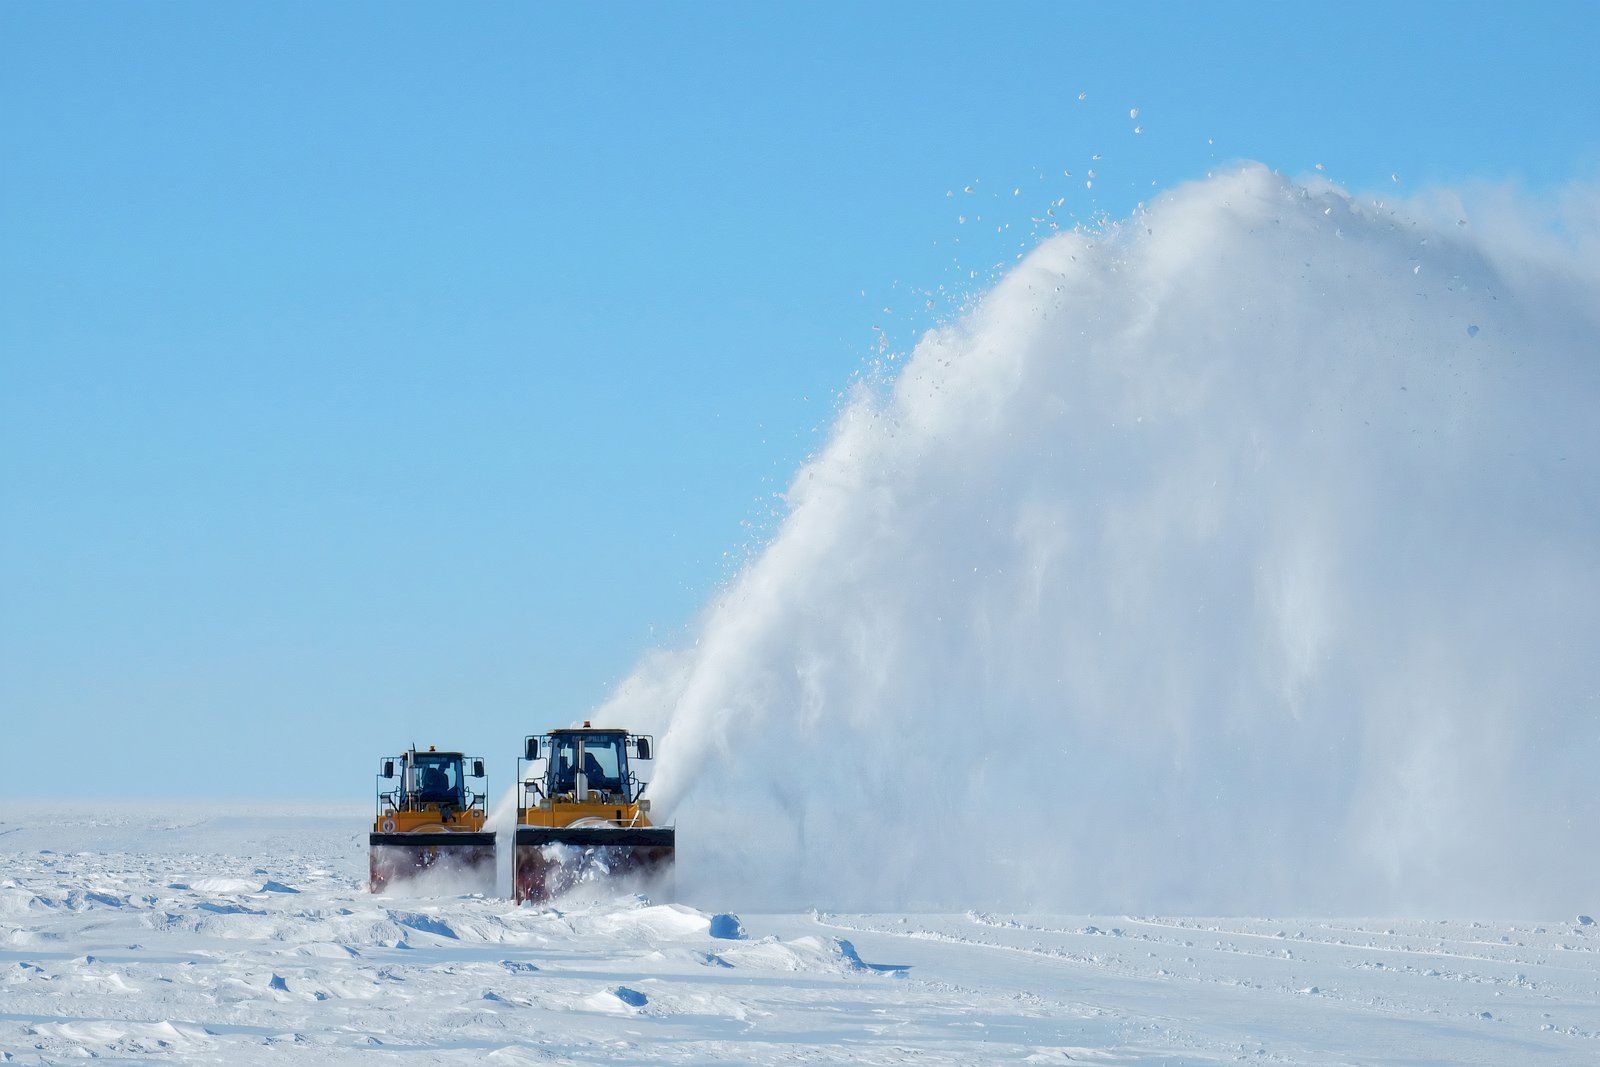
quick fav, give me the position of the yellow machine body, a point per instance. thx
(430, 821)
(582, 817)
(564, 811)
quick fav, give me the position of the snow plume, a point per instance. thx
(1242, 557)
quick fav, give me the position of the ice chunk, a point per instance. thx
(631, 997)
(727, 927)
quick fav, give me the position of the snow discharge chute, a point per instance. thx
(1244, 555)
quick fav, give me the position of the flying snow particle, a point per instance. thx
(1133, 112)
(1417, 269)
(1138, 129)
(1083, 96)
(1321, 167)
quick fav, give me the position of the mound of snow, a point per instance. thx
(813, 955)
(225, 886)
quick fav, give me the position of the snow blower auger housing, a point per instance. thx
(429, 820)
(582, 816)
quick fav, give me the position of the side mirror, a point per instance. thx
(477, 768)
(531, 749)
(644, 748)
(388, 768)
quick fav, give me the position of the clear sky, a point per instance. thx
(373, 373)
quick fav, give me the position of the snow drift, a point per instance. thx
(1240, 557)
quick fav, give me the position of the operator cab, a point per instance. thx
(431, 778)
(436, 778)
(587, 766)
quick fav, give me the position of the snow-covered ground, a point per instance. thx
(217, 935)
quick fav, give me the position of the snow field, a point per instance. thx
(211, 937)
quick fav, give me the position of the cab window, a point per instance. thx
(563, 765)
(436, 778)
(603, 762)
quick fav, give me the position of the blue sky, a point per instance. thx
(377, 372)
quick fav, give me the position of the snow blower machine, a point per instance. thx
(582, 817)
(430, 821)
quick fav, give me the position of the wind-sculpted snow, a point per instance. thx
(1242, 556)
(188, 940)
(129, 940)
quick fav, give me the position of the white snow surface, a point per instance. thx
(213, 934)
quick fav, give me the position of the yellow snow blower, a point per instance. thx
(582, 816)
(429, 820)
